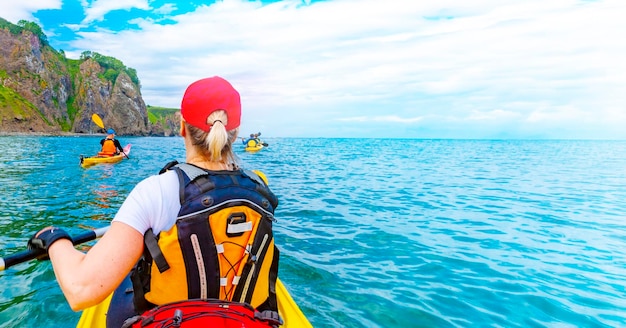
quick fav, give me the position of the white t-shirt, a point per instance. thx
(153, 203)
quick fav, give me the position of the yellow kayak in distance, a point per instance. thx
(86, 162)
(95, 316)
(254, 145)
(254, 148)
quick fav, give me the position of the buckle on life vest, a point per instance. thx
(269, 316)
(237, 225)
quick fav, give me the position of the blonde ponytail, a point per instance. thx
(216, 145)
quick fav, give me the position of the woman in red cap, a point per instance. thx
(206, 226)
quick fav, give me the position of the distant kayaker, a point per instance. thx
(253, 137)
(217, 245)
(110, 145)
(245, 141)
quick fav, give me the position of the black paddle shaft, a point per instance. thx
(27, 255)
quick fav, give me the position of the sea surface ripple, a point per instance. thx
(372, 232)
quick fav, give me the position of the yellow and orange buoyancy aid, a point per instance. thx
(108, 148)
(221, 247)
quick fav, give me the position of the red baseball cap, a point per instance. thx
(205, 96)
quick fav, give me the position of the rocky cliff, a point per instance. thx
(43, 91)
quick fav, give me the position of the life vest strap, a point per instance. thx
(168, 166)
(236, 228)
(252, 175)
(192, 171)
(269, 316)
(155, 251)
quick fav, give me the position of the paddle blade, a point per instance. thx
(96, 119)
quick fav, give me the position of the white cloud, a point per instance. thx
(547, 64)
(166, 9)
(98, 8)
(497, 115)
(390, 118)
(13, 11)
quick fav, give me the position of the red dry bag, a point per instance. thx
(203, 313)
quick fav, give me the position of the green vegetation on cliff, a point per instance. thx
(24, 25)
(112, 66)
(60, 94)
(160, 114)
(73, 68)
(14, 106)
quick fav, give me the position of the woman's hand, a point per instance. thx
(42, 240)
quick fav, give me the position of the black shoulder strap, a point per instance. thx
(152, 245)
(192, 172)
(168, 166)
(182, 169)
(263, 188)
(273, 301)
(255, 177)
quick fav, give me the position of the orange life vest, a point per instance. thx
(108, 148)
(221, 247)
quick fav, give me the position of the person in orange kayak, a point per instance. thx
(110, 145)
(198, 230)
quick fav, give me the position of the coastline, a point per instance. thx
(71, 134)
(46, 134)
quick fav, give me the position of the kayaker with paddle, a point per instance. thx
(197, 230)
(254, 141)
(110, 145)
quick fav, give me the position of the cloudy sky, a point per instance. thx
(369, 68)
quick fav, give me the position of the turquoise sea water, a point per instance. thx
(372, 232)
